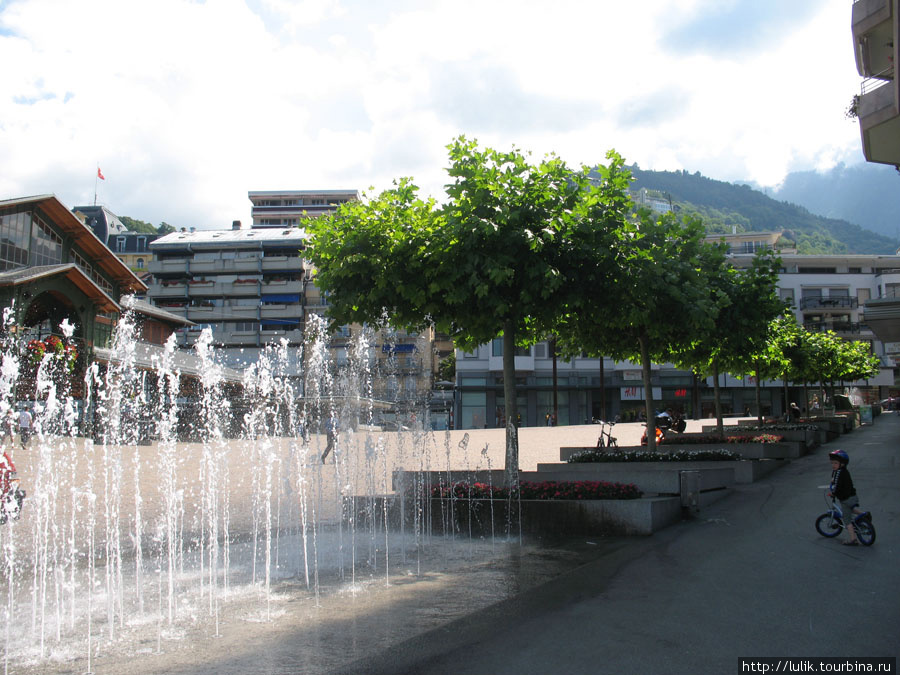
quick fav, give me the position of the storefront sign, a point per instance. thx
(637, 393)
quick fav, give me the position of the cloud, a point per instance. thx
(187, 106)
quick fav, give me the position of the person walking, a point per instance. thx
(24, 426)
(331, 432)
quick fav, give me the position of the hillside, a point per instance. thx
(725, 207)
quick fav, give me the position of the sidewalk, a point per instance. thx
(750, 577)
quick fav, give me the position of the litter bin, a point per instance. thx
(690, 490)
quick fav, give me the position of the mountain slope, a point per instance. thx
(725, 207)
(866, 194)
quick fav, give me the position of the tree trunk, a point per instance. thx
(787, 403)
(648, 394)
(759, 416)
(602, 392)
(717, 392)
(555, 384)
(509, 398)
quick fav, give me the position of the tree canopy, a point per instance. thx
(502, 257)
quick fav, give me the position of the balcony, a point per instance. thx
(179, 290)
(169, 267)
(281, 311)
(883, 316)
(877, 51)
(840, 327)
(873, 34)
(817, 302)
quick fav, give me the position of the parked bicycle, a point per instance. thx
(607, 440)
(831, 523)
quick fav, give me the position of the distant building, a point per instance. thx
(132, 248)
(840, 293)
(288, 208)
(247, 285)
(752, 242)
(652, 199)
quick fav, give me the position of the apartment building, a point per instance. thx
(876, 38)
(289, 208)
(246, 285)
(827, 293)
(252, 287)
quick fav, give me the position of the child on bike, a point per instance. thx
(842, 489)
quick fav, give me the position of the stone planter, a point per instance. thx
(783, 450)
(535, 519)
(744, 471)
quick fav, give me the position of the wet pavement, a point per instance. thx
(749, 577)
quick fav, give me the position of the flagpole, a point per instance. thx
(96, 174)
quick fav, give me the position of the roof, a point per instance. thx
(84, 237)
(145, 308)
(232, 238)
(72, 272)
(148, 355)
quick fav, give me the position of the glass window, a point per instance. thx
(474, 405)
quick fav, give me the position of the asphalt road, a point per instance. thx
(748, 577)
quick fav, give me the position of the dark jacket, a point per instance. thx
(842, 484)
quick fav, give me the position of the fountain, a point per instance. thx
(148, 523)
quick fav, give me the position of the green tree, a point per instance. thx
(659, 295)
(736, 341)
(500, 258)
(134, 225)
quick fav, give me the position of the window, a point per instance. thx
(46, 245)
(120, 244)
(140, 263)
(497, 348)
(141, 244)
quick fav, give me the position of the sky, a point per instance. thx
(186, 106)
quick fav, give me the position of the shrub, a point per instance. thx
(762, 438)
(584, 489)
(587, 456)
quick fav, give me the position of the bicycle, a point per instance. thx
(607, 440)
(831, 523)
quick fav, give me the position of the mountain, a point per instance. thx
(726, 207)
(865, 194)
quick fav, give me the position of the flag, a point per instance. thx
(99, 174)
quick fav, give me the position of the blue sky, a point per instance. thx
(186, 106)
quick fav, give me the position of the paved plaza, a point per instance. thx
(749, 577)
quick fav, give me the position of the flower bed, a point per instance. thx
(713, 438)
(587, 489)
(587, 456)
(64, 353)
(775, 427)
(761, 438)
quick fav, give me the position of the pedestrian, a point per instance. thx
(795, 412)
(24, 426)
(9, 426)
(331, 433)
(842, 489)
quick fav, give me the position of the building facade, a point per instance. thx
(253, 288)
(876, 38)
(826, 292)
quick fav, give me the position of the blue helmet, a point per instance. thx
(840, 456)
